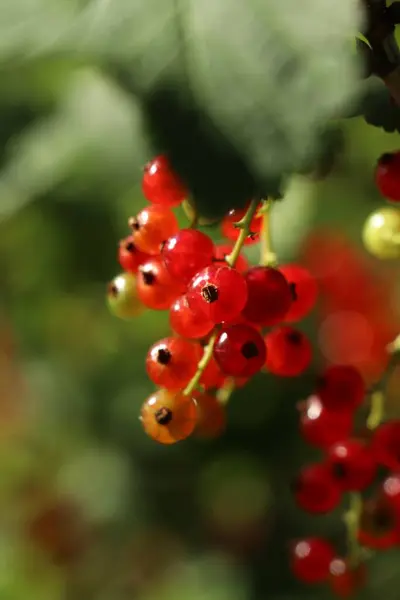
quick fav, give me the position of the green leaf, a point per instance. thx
(377, 106)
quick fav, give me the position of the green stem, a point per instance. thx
(352, 522)
(377, 410)
(208, 351)
(267, 256)
(226, 391)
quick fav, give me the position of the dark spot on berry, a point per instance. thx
(162, 245)
(293, 291)
(112, 290)
(163, 415)
(383, 519)
(339, 470)
(130, 247)
(134, 224)
(321, 382)
(386, 158)
(148, 277)
(163, 356)
(294, 337)
(210, 293)
(249, 350)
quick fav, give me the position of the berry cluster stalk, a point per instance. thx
(267, 256)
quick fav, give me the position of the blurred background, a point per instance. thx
(90, 507)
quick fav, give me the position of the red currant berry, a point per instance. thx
(321, 427)
(211, 419)
(186, 253)
(212, 376)
(221, 251)
(288, 351)
(169, 417)
(341, 387)
(240, 351)
(153, 226)
(310, 560)
(391, 491)
(161, 185)
(378, 525)
(172, 362)
(155, 286)
(130, 258)
(386, 445)
(187, 323)
(304, 291)
(230, 232)
(218, 293)
(352, 464)
(269, 296)
(315, 489)
(345, 580)
(387, 176)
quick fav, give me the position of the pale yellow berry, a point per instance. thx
(381, 233)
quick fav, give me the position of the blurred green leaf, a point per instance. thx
(377, 106)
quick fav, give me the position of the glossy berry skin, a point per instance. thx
(352, 464)
(386, 445)
(212, 376)
(321, 427)
(155, 286)
(346, 581)
(129, 257)
(381, 233)
(304, 291)
(221, 251)
(269, 296)
(341, 387)
(161, 185)
(387, 176)
(240, 351)
(315, 490)
(288, 351)
(172, 362)
(230, 232)
(186, 253)
(211, 420)
(391, 491)
(151, 227)
(310, 560)
(219, 293)
(187, 323)
(122, 297)
(169, 417)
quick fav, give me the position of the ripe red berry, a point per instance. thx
(379, 526)
(387, 176)
(168, 417)
(269, 296)
(304, 291)
(310, 560)
(386, 445)
(172, 362)
(186, 253)
(212, 376)
(151, 227)
(341, 387)
(230, 232)
(187, 323)
(346, 580)
(211, 419)
(321, 427)
(221, 251)
(288, 351)
(130, 258)
(219, 293)
(155, 286)
(240, 351)
(161, 185)
(391, 491)
(352, 464)
(315, 489)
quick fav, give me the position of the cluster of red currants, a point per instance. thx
(219, 308)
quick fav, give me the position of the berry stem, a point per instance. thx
(267, 256)
(226, 391)
(208, 351)
(377, 410)
(352, 521)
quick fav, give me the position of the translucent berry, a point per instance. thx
(310, 560)
(212, 376)
(240, 351)
(381, 233)
(315, 489)
(130, 258)
(321, 427)
(221, 251)
(155, 286)
(386, 445)
(288, 351)
(187, 323)
(341, 387)
(219, 293)
(172, 362)
(346, 580)
(186, 253)
(378, 525)
(122, 297)
(304, 291)
(230, 232)
(169, 417)
(153, 226)
(189, 209)
(269, 296)
(161, 185)
(211, 419)
(352, 464)
(387, 176)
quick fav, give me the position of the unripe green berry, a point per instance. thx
(190, 210)
(381, 233)
(122, 297)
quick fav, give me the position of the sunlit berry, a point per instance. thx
(211, 418)
(387, 176)
(221, 251)
(269, 296)
(187, 323)
(240, 351)
(315, 489)
(386, 445)
(345, 579)
(130, 258)
(186, 253)
(352, 464)
(151, 227)
(310, 559)
(122, 297)
(155, 286)
(172, 362)
(169, 417)
(304, 291)
(341, 387)
(161, 185)
(321, 427)
(381, 233)
(230, 232)
(288, 351)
